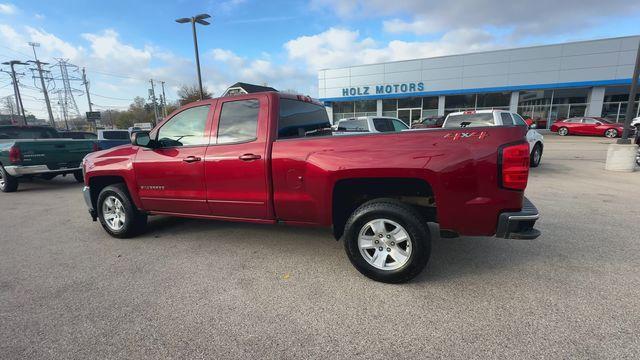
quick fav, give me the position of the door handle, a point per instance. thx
(249, 157)
(190, 159)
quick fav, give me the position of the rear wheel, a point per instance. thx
(536, 155)
(8, 183)
(563, 131)
(387, 241)
(611, 133)
(117, 213)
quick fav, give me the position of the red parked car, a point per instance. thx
(594, 126)
(272, 158)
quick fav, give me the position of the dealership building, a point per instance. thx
(544, 83)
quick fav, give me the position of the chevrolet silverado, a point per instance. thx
(273, 158)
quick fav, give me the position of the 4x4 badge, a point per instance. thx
(462, 135)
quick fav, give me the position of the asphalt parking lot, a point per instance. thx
(203, 289)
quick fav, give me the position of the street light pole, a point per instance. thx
(193, 20)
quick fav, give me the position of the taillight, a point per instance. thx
(514, 166)
(15, 156)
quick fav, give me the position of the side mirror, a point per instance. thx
(598, 123)
(533, 126)
(141, 138)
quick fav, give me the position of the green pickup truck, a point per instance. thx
(38, 151)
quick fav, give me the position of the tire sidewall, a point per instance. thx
(10, 183)
(615, 131)
(536, 148)
(129, 228)
(420, 241)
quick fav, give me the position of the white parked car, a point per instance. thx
(374, 124)
(636, 122)
(498, 118)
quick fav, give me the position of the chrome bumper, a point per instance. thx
(16, 170)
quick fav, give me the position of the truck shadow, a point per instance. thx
(450, 258)
(36, 184)
(470, 256)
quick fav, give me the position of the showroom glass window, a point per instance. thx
(429, 106)
(238, 121)
(390, 107)
(493, 100)
(186, 128)
(299, 119)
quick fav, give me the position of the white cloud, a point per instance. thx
(521, 18)
(8, 9)
(341, 47)
(39, 16)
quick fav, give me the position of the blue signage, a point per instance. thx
(383, 89)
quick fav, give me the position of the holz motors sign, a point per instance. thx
(383, 89)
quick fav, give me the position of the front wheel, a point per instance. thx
(117, 213)
(611, 133)
(563, 131)
(8, 183)
(387, 241)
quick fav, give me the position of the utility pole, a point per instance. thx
(631, 101)
(164, 102)
(86, 87)
(153, 99)
(16, 88)
(42, 84)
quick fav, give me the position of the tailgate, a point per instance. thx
(55, 153)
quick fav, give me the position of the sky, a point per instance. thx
(123, 44)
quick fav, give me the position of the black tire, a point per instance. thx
(563, 131)
(78, 175)
(403, 214)
(48, 176)
(535, 158)
(135, 221)
(8, 183)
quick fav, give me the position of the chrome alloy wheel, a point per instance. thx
(563, 131)
(384, 244)
(611, 133)
(2, 181)
(113, 213)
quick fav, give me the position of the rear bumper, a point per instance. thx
(18, 170)
(519, 224)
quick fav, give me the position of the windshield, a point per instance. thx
(469, 120)
(115, 135)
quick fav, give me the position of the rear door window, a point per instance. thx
(469, 120)
(519, 120)
(300, 118)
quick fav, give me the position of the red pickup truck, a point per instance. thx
(272, 158)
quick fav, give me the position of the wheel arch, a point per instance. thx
(98, 183)
(349, 194)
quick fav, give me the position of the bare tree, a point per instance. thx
(191, 93)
